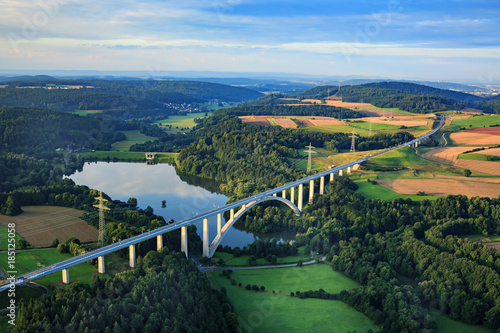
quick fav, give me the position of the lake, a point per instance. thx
(185, 195)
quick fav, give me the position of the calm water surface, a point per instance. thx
(186, 195)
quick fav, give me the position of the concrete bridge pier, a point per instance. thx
(184, 241)
(322, 185)
(131, 252)
(101, 269)
(232, 214)
(349, 170)
(283, 194)
(341, 173)
(311, 191)
(301, 190)
(219, 224)
(275, 194)
(292, 195)
(332, 176)
(65, 276)
(206, 242)
(159, 242)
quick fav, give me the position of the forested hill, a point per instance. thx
(491, 105)
(406, 96)
(117, 95)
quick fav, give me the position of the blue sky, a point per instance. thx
(437, 40)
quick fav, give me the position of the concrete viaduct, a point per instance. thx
(241, 206)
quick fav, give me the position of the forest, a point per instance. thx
(405, 96)
(131, 96)
(165, 293)
(409, 256)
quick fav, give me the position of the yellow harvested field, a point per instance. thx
(41, 225)
(492, 152)
(492, 168)
(469, 188)
(446, 155)
(285, 123)
(449, 155)
(347, 105)
(477, 136)
(255, 120)
(407, 121)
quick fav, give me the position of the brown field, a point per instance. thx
(408, 121)
(255, 120)
(495, 245)
(41, 225)
(477, 136)
(446, 155)
(303, 122)
(326, 122)
(449, 155)
(443, 187)
(285, 123)
(492, 152)
(289, 123)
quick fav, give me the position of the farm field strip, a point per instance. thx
(41, 225)
(133, 137)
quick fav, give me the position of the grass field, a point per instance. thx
(273, 122)
(27, 261)
(373, 191)
(265, 312)
(174, 124)
(337, 129)
(447, 325)
(479, 157)
(404, 157)
(3, 238)
(127, 156)
(133, 137)
(476, 121)
(230, 260)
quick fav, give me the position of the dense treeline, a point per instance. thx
(248, 158)
(405, 96)
(29, 139)
(118, 94)
(35, 131)
(376, 243)
(491, 105)
(165, 293)
(294, 110)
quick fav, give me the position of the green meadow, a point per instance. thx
(127, 156)
(476, 121)
(133, 137)
(374, 191)
(268, 312)
(175, 124)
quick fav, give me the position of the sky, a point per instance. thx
(450, 40)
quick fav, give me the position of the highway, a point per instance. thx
(54, 268)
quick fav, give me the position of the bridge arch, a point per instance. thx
(243, 210)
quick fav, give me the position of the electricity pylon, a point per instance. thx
(353, 142)
(309, 161)
(102, 220)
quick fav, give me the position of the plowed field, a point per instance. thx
(443, 187)
(41, 225)
(477, 136)
(449, 155)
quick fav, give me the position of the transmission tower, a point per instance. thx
(102, 221)
(353, 142)
(309, 161)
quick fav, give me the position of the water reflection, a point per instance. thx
(185, 195)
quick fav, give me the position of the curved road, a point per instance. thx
(65, 264)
